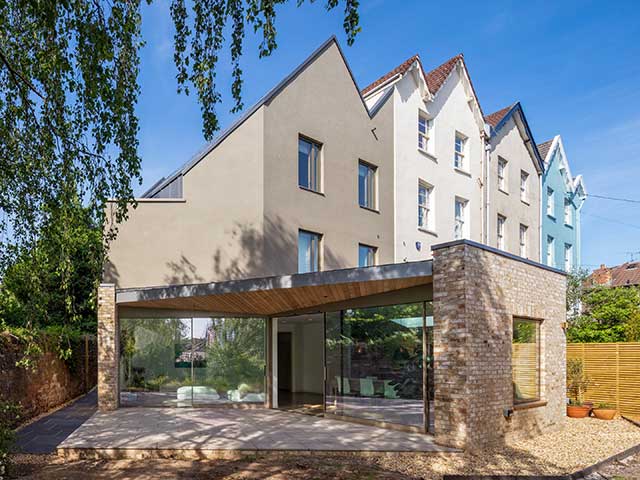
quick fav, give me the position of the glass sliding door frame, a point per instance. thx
(426, 362)
(188, 400)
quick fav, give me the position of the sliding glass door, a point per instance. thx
(182, 362)
(375, 360)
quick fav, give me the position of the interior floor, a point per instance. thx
(301, 402)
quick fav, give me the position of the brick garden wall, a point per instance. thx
(477, 292)
(52, 383)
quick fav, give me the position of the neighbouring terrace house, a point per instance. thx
(439, 136)
(563, 197)
(262, 275)
(513, 184)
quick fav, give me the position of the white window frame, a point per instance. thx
(568, 214)
(500, 230)
(502, 174)
(460, 223)
(523, 240)
(460, 156)
(373, 251)
(425, 138)
(551, 200)
(568, 257)
(551, 251)
(317, 251)
(371, 186)
(425, 210)
(314, 165)
(524, 186)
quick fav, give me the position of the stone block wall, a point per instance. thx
(108, 348)
(477, 293)
(52, 382)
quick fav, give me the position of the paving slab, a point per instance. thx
(45, 434)
(218, 429)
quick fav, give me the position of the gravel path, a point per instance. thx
(580, 443)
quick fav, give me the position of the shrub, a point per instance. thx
(577, 381)
(9, 417)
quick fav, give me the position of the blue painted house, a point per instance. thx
(562, 199)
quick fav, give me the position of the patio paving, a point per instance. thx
(45, 434)
(201, 429)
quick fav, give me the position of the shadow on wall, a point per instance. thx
(250, 252)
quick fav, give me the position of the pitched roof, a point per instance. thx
(494, 118)
(268, 97)
(544, 147)
(400, 69)
(619, 276)
(436, 77)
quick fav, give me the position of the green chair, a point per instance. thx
(346, 386)
(366, 387)
(390, 390)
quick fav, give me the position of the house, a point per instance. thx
(625, 275)
(513, 184)
(273, 255)
(439, 136)
(562, 199)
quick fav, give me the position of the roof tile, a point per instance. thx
(494, 118)
(437, 76)
(402, 68)
(544, 147)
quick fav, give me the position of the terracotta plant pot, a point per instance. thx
(578, 411)
(604, 413)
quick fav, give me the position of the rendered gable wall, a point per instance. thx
(509, 144)
(562, 233)
(451, 113)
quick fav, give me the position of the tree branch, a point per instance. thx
(16, 74)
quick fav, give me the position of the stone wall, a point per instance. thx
(477, 292)
(108, 348)
(53, 381)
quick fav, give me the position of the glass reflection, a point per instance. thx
(184, 362)
(375, 362)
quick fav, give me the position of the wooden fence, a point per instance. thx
(614, 371)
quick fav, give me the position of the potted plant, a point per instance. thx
(604, 411)
(577, 383)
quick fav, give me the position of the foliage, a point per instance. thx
(577, 381)
(604, 405)
(69, 132)
(50, 290)
(9, 417)
(610, 314)
(236, 355)
(576, 280)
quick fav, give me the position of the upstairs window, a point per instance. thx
(523, 240)
(366, 255)
(367, 185)
(568, 216)
(568, 257)
(502, 174)
(425, 126)
(460, 146)
(460, 221)
(308, 251)
(502, 220)
(308, 164)
(551, 211)
(425, 210)
(524, 186)
(550, 251)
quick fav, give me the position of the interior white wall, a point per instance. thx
(307, 352)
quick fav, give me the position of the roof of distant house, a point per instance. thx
(619, 276)
(435, 78)
(494, 118)
(544, 147)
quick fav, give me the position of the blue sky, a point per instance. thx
(574, 66)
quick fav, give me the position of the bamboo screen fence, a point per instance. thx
(614, 373)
